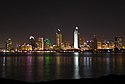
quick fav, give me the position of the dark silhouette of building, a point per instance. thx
(94, 43)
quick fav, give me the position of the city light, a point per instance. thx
(79, 44)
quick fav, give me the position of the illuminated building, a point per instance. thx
(67, 45)
(105, 45)
(32, 42)
(26, 47)
(109, 45)
(40, 44)
(47, 44)
(59, 39)
(119, 42)
(76, 38)
(99, 45)
(85, 47)
(9, 44)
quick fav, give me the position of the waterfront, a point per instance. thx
(47, 66)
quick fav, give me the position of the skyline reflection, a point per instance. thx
(76, 65)
(49, 66)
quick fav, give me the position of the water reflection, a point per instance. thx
(3, 61)
(48, 66)
(108, 62)
(87, 65)
(28, 68)
(3, 66)
(76, 66)
(58, 66)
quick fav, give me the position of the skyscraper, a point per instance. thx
(9, 44)
(47, 44)
(94, 43)
(76, 38)
(59, 39)
(40, 44)
(118, 42)
(32, 42)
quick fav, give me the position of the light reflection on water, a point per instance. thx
(50, 66)
(76, 66)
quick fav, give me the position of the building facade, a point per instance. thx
(9, 44)
(119, 42)
(40, 44)
(59, 39)
(76, 38)
(32, 42)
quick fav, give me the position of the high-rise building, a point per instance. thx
(59, 39)
(47, 44)
(9, 44)
(76, 38)
(40, 44)
(94, 43)
(32, 42)
(118, 42)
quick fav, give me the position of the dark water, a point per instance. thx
(51, 66)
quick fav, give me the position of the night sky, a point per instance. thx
(20, 19)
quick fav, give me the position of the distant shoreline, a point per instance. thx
(40, 53)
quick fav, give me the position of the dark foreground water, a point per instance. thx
(51, 66)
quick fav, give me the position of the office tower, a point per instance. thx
(94, 43)
(118, 42)
(32, 42)
(9, 44)
(76, 38)
(40, 44)
(47, 44)
(59, 39)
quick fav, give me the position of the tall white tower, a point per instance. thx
(76, 38)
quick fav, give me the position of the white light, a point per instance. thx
(31, 37)
(58, 29)
(76, 27)
(9, 39)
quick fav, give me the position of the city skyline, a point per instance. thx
(59, 39)
(79, 44)
(20, 20)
